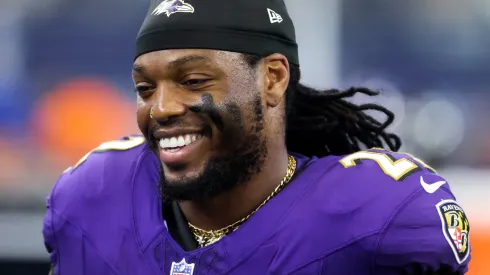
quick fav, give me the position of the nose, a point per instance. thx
(167, 105)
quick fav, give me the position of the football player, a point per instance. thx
(241, 169)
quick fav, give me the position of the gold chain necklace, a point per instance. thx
(207, 237)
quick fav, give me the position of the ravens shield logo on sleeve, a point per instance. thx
(456, 228)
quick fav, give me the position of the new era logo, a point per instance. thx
(274, 16)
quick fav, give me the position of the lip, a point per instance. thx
(168, 133)
(183, 156)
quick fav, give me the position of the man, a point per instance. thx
(243, 170)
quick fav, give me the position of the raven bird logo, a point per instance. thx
(170, 7)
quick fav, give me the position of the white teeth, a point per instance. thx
(173, 142)
(187, 139)
(178, 141)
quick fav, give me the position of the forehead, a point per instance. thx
(182, 57)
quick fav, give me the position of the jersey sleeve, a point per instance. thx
(428, 235)
(75, 208)
(71, 252)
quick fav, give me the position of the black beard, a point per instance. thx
(244, 157)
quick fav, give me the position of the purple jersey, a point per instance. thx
(371, 212)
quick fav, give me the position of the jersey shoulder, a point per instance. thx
(100, 175)
(394, 166)
(90, 208)
(395, 174)
(376, 197)
(379, 169)
(382, 168)
(374, 183)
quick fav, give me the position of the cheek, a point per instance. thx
(139, 102)
(241, 93)
(142, 113)
(239, 117)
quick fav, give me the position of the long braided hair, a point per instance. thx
(321, 123)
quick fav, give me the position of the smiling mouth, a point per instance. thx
(175, 144)
(181, 149)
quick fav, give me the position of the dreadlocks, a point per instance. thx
(321, 123)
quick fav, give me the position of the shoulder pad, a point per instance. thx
(373, 183)
(388, 173)
(99, 173)
(358, 194)
(95, 195)
(388, 176)
(396, 166)
(125, 144)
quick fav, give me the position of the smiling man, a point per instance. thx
(241, 169)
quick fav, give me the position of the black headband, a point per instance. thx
(260, 27)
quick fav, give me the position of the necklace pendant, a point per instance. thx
(205, 241)
(201, 241)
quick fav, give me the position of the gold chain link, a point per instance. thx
(207, 237)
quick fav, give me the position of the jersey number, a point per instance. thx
(396, 169)
(114, 145)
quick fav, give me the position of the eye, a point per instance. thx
(196, 82)
(143, 90)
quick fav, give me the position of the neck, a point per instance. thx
(227, 208)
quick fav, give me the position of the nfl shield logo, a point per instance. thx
(181, 268)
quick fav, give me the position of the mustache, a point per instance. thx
(172, 123)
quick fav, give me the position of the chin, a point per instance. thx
(206, 175)
(182, 185)
(180, 174)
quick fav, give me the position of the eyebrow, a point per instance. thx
(176, 63)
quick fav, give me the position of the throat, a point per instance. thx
(218, 212)
(233, 208)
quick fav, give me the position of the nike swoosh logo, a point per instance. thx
(431, 188)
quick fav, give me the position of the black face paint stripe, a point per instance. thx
(208, 107)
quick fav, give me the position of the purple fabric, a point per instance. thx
(105, 218)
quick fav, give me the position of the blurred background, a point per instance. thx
(65, 87)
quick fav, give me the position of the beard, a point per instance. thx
(243, 154)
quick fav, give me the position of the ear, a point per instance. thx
(276, 78)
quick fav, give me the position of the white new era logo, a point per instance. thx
(274, 16)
